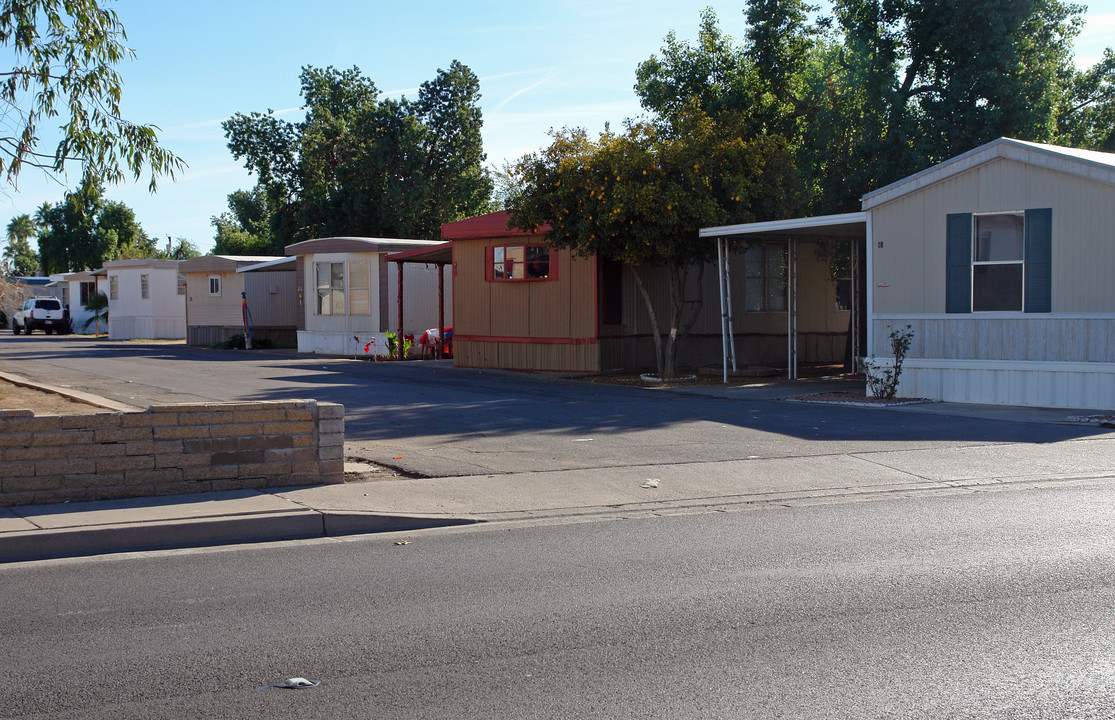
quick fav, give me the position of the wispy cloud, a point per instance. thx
(398, 93)
(503, 103)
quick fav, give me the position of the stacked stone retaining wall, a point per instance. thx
(169, 450)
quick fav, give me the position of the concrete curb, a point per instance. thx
(80, 541)
(338, 523)
(161, 535)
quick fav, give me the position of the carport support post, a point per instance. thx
(727, 333)
(724, 308)
(440, 311)
(399, 337)
(791, 309)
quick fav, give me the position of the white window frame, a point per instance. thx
(113, 287)
(1020, 262)
(358, 275)
(765, 279)
(330, 297)
(145, 286)
(215, 281)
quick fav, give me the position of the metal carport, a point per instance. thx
(853, 226)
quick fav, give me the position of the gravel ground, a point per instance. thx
(17, 397)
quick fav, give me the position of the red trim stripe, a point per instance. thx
(525, 340)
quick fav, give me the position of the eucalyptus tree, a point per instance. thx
(64, 55)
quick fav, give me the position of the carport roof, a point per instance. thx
(806, 228)
(441, 254)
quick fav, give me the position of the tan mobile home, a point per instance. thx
(214, 305)
(1000, 261)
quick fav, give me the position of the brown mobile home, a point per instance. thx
(519, 304)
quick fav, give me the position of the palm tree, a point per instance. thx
(21, 227)
(18, 256)
(98, 305)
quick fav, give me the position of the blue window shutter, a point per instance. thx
(958, 262)
(1039, 261)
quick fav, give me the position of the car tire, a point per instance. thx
(15, 328)
(26, 329)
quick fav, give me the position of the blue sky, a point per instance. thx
(542, 64)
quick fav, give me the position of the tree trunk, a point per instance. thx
(653, 320)
(676, 284)
(680, 325)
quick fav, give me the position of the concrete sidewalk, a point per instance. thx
(397, 504)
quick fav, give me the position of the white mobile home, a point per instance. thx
(74, 290)
(348, 296)
(146, 299)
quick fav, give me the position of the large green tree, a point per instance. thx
(944, 77)
(888, 87)
(246, 228)
(18, 257)
(63, 55)
(358, 164)
(84, 230)
(641, 196)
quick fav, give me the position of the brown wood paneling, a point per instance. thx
(549, 302)
(471, 297)
(384, 294)
(581, 274)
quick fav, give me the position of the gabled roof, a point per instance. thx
(354, 245)
(222, 263)
(283, 263)
(492, 225)
(152, 263)
(1091, 164)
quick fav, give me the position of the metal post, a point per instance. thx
(728, 303)
(399, 337)
(247, 322)
(723, 308)
(795, 307)
(789, 316)
(791, 310)
(855, 303)
(440, 311)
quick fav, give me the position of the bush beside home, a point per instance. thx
(169, 450)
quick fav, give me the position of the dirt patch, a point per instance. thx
(1107, 420)
(856, 399)
(17, 397)
(715, 377)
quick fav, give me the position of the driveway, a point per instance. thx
(431, 419)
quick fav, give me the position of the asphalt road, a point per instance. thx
(975, 605)
(436, 420)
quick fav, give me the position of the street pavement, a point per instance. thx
(746, 445)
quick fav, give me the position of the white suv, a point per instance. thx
(41, 313)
